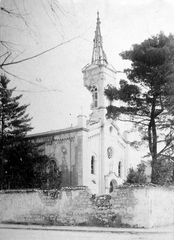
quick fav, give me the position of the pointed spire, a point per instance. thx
(98, 55)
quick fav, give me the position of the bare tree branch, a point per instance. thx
(3, 54)
(18, 15)
(32, 91)
(6, 58)
(13, 75)
(134, 121)
(51, 18)
(2, 65)
(6, 11)
(17, 56)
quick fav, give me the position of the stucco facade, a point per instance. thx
(136, 206)
(93, 153)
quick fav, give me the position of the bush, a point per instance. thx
(163, 171)
(137, 176)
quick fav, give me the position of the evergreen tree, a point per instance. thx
(14, 122)
(22, 164)
(148, 99)
(27, 167)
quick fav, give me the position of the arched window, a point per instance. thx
(111, 187)
(110, 129)
(94, 96)
(51, 167)
(92, 165)
(119, 169)
(51, 175)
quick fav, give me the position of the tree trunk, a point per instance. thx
(152, 134)
(1, 152)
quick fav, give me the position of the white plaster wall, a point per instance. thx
(155, 207)
(114, 140)
(70, 161)
(100, 138)
(141, 214)
(137, 206)
(161, 206)
(18, 204)
(84, 159)
(94, 148)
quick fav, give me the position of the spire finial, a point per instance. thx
(98, 18)
(98, 55)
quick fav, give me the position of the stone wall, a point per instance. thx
(146, 206)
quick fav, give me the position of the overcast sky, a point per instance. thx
(53, 83)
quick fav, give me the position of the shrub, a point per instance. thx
(138, 175)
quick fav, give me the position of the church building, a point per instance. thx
(93, 153)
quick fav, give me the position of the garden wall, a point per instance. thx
(147, 206)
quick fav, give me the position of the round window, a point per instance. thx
(64, 150)
(109, 152)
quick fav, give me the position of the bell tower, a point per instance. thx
(97, 75)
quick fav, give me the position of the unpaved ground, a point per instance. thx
(28, 233)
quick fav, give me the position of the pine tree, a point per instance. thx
(148, 99)
(14, 122)
(22, 163)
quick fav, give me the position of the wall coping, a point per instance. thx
(147, 185)
(120, 187)
(8, 191)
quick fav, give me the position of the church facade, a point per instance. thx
(94, 153)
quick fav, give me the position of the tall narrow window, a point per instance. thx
(111, 187)
(119, 169)
(92, 165)
(94, 96)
